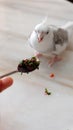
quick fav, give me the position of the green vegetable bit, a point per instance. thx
(47, 92)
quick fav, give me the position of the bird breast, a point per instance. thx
(43, 46)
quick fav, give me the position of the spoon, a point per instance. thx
(25, 66)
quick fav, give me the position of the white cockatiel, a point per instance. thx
(50, 40)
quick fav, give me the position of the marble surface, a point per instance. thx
(24, 106)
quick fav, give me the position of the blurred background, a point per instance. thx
(18, 17)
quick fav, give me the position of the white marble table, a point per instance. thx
(24, 106)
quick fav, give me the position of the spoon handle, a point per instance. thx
(10, 73)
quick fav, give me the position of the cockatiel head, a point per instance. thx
(42, 30)
(41, 37)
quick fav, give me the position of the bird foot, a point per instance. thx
(54, 59)
(38, 55)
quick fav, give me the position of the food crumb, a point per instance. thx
(52, 75)
(47, 92)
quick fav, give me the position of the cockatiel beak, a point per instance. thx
(40, 37)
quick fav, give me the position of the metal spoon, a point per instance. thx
(25, 66)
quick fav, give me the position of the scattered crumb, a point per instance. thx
(52, 75)
(47, 92)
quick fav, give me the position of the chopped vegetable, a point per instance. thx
(28, 65)
(52, 75)
(47, 92)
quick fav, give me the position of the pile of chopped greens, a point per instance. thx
(28, 65)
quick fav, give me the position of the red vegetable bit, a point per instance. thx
(52, 75)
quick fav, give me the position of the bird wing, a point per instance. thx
(60, 40)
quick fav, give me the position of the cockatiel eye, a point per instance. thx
(47, 32)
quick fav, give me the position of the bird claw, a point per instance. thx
(38, 55)
(54, 59)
